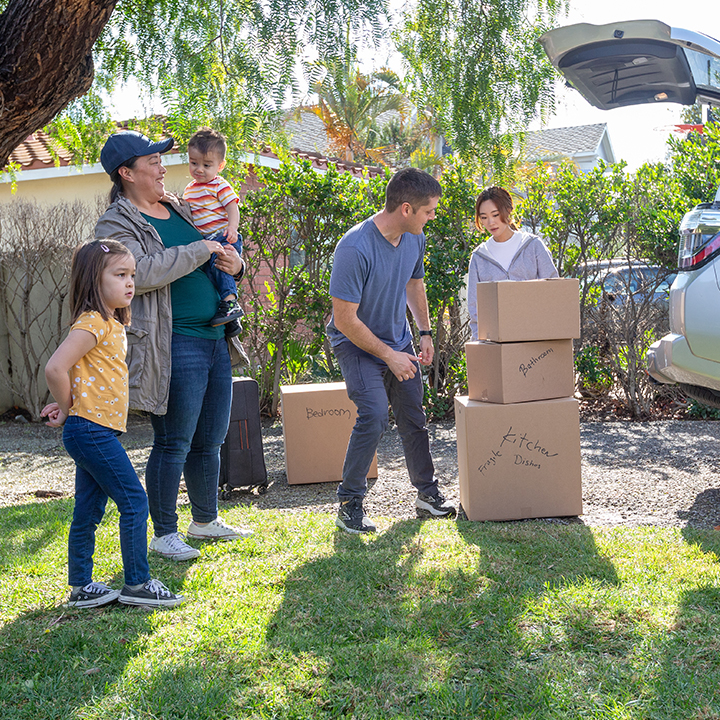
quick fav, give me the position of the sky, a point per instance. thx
(638, 134)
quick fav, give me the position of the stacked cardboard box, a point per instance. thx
(518, 430)
(317, 422)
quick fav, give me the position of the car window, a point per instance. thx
(614, 284)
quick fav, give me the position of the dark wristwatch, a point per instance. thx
(425, 332)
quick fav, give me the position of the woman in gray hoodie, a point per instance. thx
(508, 254)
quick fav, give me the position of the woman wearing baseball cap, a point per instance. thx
(179, 365)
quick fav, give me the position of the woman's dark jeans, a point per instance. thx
(370, 385)
(188, 437)
(103, 470)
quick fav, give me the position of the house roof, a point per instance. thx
(579, 140)
(34, 153)
(308, 141)
(307, 132)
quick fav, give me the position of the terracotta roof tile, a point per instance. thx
(34, 153)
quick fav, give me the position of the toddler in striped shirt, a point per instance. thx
(214, 206)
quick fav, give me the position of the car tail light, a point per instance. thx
(699, 237)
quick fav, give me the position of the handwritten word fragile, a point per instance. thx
(525, 368)
(490, 462)
(333, 412)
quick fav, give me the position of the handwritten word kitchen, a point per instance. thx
(333, 412)
(525, 368)
(525, 443)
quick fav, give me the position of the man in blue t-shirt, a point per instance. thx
(378, 272)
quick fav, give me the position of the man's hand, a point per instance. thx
(427, 350)
(402, 365)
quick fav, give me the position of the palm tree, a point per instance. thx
(349, 103)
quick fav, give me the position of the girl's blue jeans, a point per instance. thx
(188, 437)
(104, 470)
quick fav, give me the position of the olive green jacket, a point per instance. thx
(150, 332)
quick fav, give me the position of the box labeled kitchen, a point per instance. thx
(520, 460)
(517, 311)
(317, 421)
(519, 371)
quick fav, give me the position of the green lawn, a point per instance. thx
(424, 620)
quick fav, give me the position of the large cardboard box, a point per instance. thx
(519, 461)
(317, 421)
(511, 311)
(519, 372)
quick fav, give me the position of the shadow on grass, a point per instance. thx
(689, 678)
(56, 660)
(403, 629)
(28, 528)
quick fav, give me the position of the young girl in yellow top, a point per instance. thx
(88, 377)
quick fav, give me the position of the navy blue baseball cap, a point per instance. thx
(127, 144)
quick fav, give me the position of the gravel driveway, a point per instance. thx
(664, 473)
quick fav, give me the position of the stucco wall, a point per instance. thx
(89, 184)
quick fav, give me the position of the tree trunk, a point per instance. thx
(45, 61)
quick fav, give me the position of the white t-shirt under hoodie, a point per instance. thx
(504, 252)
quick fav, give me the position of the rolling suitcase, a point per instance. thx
(242, 463)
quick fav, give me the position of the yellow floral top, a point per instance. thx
(99, 380)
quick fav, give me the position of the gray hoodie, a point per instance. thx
(149, 335)
(532, 261)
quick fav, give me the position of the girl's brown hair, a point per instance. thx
(88, 263)
(503, 202)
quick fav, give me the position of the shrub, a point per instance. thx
(36, 246)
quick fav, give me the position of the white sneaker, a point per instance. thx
(173, 546)
(218, 529)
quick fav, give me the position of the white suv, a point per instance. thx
(646, 61)
(690, 354)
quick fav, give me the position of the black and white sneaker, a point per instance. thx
(352, 518)
(232, 329)
(434, 506)
(152, 594)
(94, 594)
(228, 310)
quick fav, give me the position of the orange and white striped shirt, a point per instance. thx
(208, 202)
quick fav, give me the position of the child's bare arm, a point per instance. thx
(233, 221)
(75, 345)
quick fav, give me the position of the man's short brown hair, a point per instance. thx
(413, 186)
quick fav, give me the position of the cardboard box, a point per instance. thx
(317, 422)
(520, 372)
(510, 311)
(519, 461)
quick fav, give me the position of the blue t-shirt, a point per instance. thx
(370, 271)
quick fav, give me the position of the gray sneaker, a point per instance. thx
(94, 594)
(152, 594)
(434, 506)
(352, 518)
(174, 547)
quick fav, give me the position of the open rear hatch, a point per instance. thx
(635, 62)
